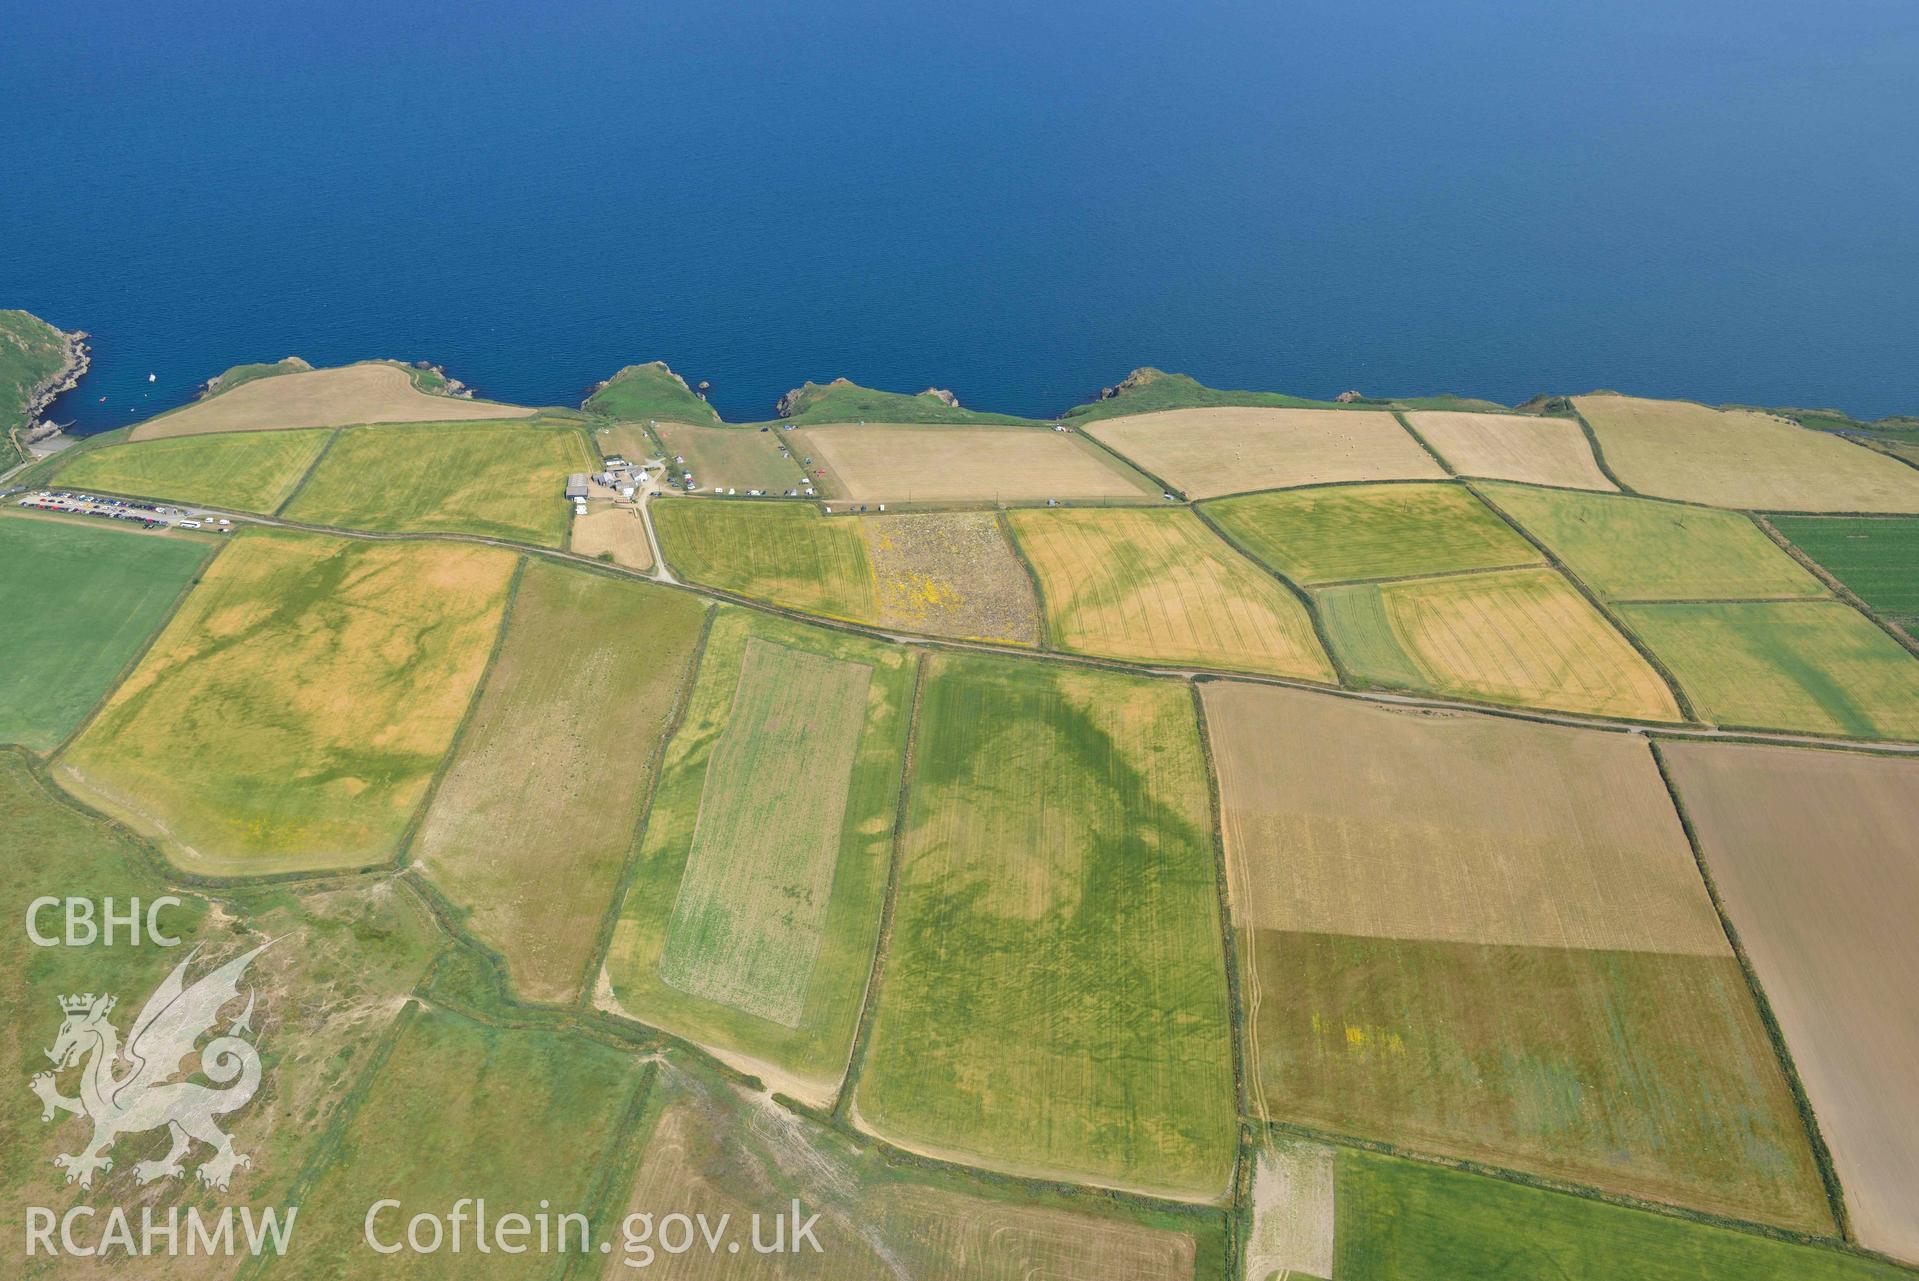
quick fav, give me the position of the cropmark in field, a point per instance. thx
(534, 821)
(750, 921)
(251, 472)
(496, 480)
(293, 712)
(1209, 452)
(1812, 854)
(76, 605)
(1818, 667)
(1641, 549)
(1053, 1001)
(1524, 637)
(1538, 451)
(784, 553)
(370, 393)
(1160, 587)
(1487, 938)
(1345, 533)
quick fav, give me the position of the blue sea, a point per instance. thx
(1016, 201)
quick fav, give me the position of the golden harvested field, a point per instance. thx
(749, 922)
(1541, 451)
(1340, 533)
(1209, 452)
(950, 574)
(293, 712)
(1812, 855)
(562, 740)
(1641, 549)
(1471, 829)
(612, 532)
(1524, 637)
(1819, 667)
(1488, 939)
(1740, 458)
(900, 463)
(371, 393)
(496, 480)
(1160, 587)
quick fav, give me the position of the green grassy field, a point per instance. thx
(292, 713)
(324, 996)
(1342, 533)
(563, 738)
(1818, 667)
(499, 480)
(1407, 1219)
(1641, 549)
(76, 604)
(1054, 1000)
(241, 471)
(640, 392)
(521, 1118)
(785, 553)
(1524, 637)
(1877, 560)
(739, 458)
(774, 815)
(1160, 587)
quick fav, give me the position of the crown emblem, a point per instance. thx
(81, 1004)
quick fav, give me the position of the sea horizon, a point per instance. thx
(1017, 206)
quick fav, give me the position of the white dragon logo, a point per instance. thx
(173, 1020)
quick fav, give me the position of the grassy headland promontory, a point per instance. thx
(845, 401)
(649, 391)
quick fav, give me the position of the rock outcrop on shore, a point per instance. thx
(1134, 381)
(73, 367)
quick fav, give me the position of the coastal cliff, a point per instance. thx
(38, 363)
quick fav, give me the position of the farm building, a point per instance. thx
(576, 485)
